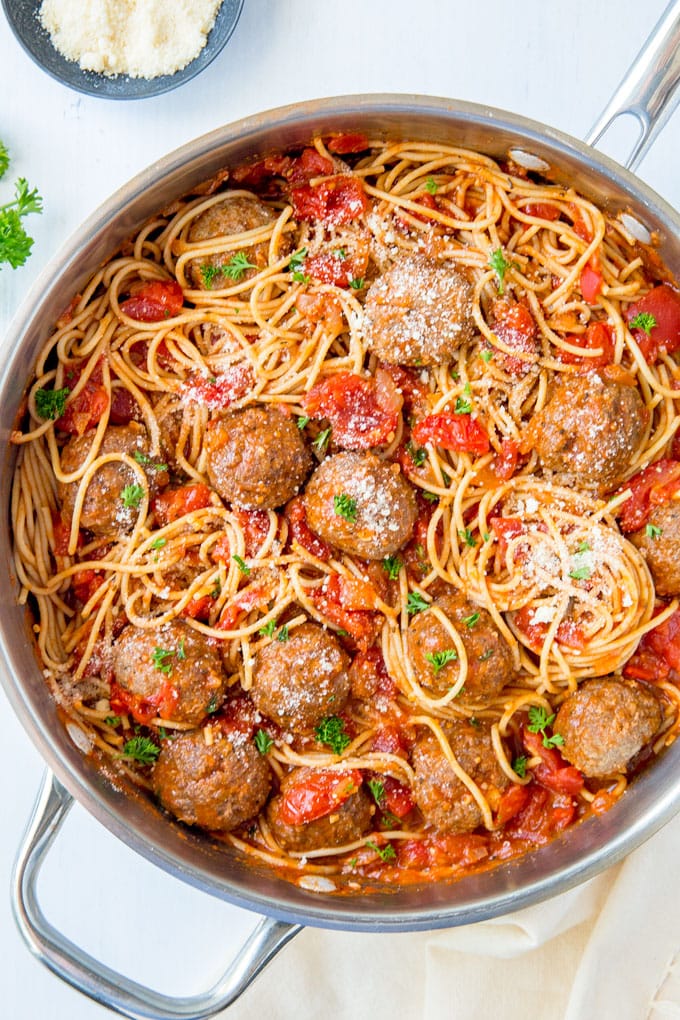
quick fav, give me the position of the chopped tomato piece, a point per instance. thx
(316, 793)
(413, 391)
(657, 657)
(514, 326)
(397, 799)
(362, 412)
(62, 533)
(219, 392)
(598, 336)
(506, 528)
(255, 527)
(339, 199)
(453, 850)
(321, 308)
(199, 607)
(545, 814)
(426, 201)
(85, 583)
(663, 303)
(568, 633)
(334, 268)
(163, 703)
(300, 532)
(153, 301)
(506, 460)
(239, 715)
(241, 604)
(85, 409)
(347, 143)
(175, 503)
(350, 607)
(650, 487)
(591, 283)
(390, 740)
(307, 165)
(452, 431)
(511, 803)
(579, 224)
(369, 676)
(542, 210)
(553, 771)
(124, 407)
(256, 174)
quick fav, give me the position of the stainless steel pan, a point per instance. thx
(647, 92)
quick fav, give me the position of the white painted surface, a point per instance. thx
(555, 62)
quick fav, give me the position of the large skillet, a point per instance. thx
(652, 799)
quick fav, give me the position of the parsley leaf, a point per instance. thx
(486, 354)
(580, 573)
(440, 659)
(158, 543)
(357, 283)
(377, 788)
(653, 531)
(213, 704)
(241, 564)
(644, 321)
(15, 243)
(463, 406)
(51, 403)
(392, 565)
(345, 506)
(471, 620)
(268, 629)
(485, 656)
(113, 720)
(141, 749)
(385, 853)
(145, 461)
(209, 271)
(321, 441)
(132, 495)
(160, 658)
(539, 720)
(331, 731)
(283, 634)
(262, 741)
(431, 185)
(415, 603)
(519, 765)
(237, 265)
(296, 259)
(418, 454)
(500, 266)
(302, 421)
(467, 537)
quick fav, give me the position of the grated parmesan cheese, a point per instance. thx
(140, 38)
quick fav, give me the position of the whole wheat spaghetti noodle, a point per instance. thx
(343, 489)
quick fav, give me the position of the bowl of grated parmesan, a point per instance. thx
(123, 49)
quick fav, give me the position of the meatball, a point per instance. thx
(232, 216)
(105, 510)
(606, 722)
(419, 312)
(661, 547)
(589, 430)
(174, 667)
(360, 504)
(208, 778)
(446, 803)
(300, 681)
(256, 457)
(344, 824)
(490, 665)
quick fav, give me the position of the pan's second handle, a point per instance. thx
(649, 90)
(94, 978)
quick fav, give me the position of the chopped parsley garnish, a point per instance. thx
(431, 497)
(141, 749)
(132, 495)
(268, 629)
(262, 741)
(331, 731)
(431, 185)
(465, 535)
(51, 403)
(161, 659)
(415, 603)
(158, 543)
(463, 406)
(580, 573)
(283, 634)
(357, 283)
(377, 788)
(113, 720)
(321, 441)
(241, 564)
(653, 531)
(144, 459)
(473, 720)
(471, 620)
(486, 354)
(418, 454)
(237, 265)
(539, 720)
(181, 652)
(340, 253)
(212, 705)
(345, 506)
(300, 277)
(500, 266)
(485, 656)
(519, 766)
(217, 588)
(392, 565)
(302, 421)
(297, 259)
(583, 547)
(440, 659)
(644, 321)
(385, 853)
(210, 270)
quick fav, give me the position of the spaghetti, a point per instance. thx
(332, 490)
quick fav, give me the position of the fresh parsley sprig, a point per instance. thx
(15, 243)
(539, 720)
(331, 731)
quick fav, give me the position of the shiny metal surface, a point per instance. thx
(651, 800)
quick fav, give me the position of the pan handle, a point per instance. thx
(649, 90)
(94, 978)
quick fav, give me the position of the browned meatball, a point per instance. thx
(606, 722)
(211, 779)
(489, 659)
(360, 504)
(256, 457)
(233, 216)
(173, 666)
(661, 547)
(300, 681)
(589, 430)
(106, 510)
(344, 824)
(446, 803)
(418, 313)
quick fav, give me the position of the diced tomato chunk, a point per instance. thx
(163, 703)
(511, 803)
(398, 799)
(124, 407)
(153, 301)
(451, 431)
(542, 210)
(369, 676)
(598, 335)
(241, 604)
(514, 326)
(591, 283)
(349, 606)
(553, 771)
(299, 530)
(544, 815)
(175, 503)
(506, 460)
(85, 409)
(568, 633)
(391, 740)
(339, 199)
(199, 607)
(219, 392)
(657, 657)
(316, 793)
(342, 144)
(361, 412)
(506, 528)
(663, 303)
(452, 850)
(85, 583)
(650, 487)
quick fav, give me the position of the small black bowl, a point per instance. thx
(23, 17)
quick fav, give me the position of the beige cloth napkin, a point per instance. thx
(608, 950)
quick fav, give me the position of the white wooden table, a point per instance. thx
(554, 62)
